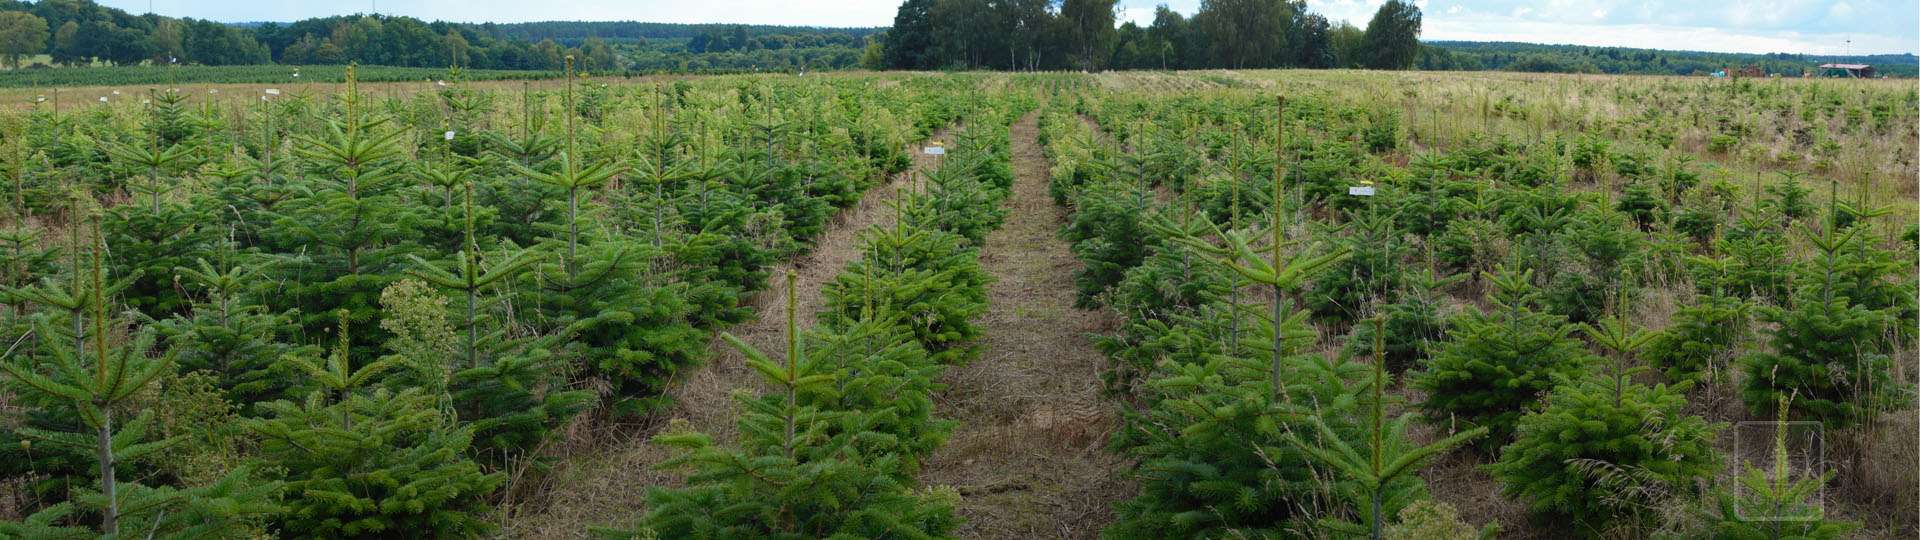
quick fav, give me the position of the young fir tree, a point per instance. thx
(149, 243)
(1107, 232)
(1826, 350)
(706, 240)
(62, 298)
(100, 382)
(1376, 470)
(1414, 325)
(929, 281)
(361, 460)
(1215, 460)
(1372, 273)
(1497, 363)
(798, 470)
(341, 237)
(1772, 503)
(230, 335)
(883, 374)
(1173, 285)
(153, 241)
(1605, 451)
(1700, 342)
(1214, 451)
(507, 389)
(627, 329)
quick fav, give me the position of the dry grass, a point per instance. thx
(1028, 458)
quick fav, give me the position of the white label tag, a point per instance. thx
(934, 151)
(449, 135)
(1363, 191)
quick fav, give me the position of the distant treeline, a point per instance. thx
(926, 35)
(623, 31)
(81, 32)
(1531, 57)
(1080, 34)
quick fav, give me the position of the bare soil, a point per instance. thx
(1029, 457)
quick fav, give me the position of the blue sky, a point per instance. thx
(1803, 26)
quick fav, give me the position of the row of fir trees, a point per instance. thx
(830, 449)
(338, 315)
(1269, 314)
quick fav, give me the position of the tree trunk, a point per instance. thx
(103, 452)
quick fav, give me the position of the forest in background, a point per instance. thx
(925, 35)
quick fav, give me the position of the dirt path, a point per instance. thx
(609, 485)
(1029, 456)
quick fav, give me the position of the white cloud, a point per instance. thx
(1522, 12)
(1693, 38)
(1140, 16)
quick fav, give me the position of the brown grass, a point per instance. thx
(1028, 458)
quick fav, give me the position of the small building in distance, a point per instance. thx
(1846, 70)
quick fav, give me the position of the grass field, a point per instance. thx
(1208, 304)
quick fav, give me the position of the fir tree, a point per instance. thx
(1106, 230)
(508, 390)
(1497, 363)
(230, 335)
(363, 461)
(1825, 349)
(102, 395)
(929, 281)
(627, 329)
(1700, 341)
(1771, 503)
(798, 470)
(1376, 472)
(350, 218)
(1414, 326)
(1605, 451)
